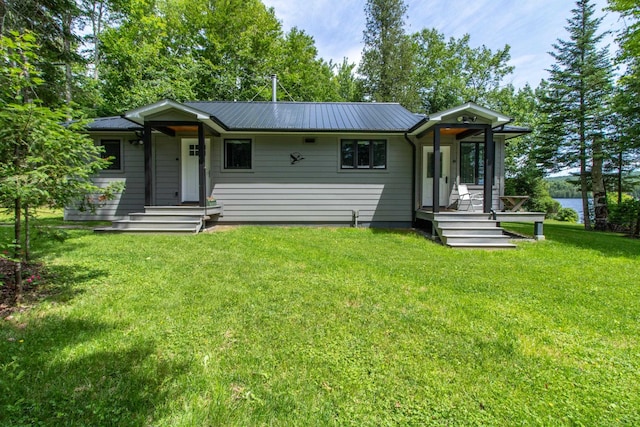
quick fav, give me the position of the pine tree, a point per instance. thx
(387, 56)
(577, 104)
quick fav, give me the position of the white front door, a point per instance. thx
(190, 178)
(427, 175)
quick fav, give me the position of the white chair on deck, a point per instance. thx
(473, 200)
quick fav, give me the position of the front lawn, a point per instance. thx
(320, 326)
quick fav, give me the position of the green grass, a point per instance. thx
(318, 326)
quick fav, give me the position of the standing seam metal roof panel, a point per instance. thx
(267, 116)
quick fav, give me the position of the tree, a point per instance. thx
(627, 100)
(577, 104)
(449, 73)
(387, 55)
(41, 161)
(54, 23)
(349, 86)
(301, 72)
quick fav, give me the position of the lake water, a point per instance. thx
(575, 204)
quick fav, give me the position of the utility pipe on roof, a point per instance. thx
(274, 87)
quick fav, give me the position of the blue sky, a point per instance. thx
(530, 27)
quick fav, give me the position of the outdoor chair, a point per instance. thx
(473, 200)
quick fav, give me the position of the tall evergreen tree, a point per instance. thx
(627, 100)
(577, 106)
(387, 55)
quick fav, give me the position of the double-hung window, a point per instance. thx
(112, 151)
(472, 162)
(363, 154)
(237, 154)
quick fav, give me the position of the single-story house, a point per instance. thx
(376, 164)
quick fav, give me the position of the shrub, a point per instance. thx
(567, 215)
(544, 204)
(623, 216)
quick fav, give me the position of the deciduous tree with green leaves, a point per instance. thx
(449, 73)
(42, 162)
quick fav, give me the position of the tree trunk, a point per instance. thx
(584, 188)
(3, 14)
(97, 13)
(598, 188)
(17, 249)
(637, 231)
(66, 33)
(620, 178)
(27, 235)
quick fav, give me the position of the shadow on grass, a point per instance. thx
(608, 244)
(64, 282)
(62, 371)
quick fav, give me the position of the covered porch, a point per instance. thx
(462, 150)
(173, 130)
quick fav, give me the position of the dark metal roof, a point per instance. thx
(309, 116)
(302, 117)
(112, 124)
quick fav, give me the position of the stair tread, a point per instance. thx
(477, 236)
(128, 221)
(144, 230)
(482, 245)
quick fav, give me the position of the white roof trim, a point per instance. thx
(496, 118)
(139, 114)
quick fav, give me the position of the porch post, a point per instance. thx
(202, 171)
(148, 180)
(489, 159)
(436, 169)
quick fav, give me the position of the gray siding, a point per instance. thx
(314, 189)
(132, 174)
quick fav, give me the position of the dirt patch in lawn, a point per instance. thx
(32, 278)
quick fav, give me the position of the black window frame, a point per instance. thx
(241, 167)
(113, 155)
(357, 154)
(479, 152)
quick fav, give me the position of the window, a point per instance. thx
(363, 154)
(431, 160)
(237, 154)
(112, 150)
(472, 162)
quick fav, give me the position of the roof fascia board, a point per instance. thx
(138, 115)
(496, 118)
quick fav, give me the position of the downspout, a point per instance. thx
(413, 178)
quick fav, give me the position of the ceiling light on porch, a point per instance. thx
(467, 119)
